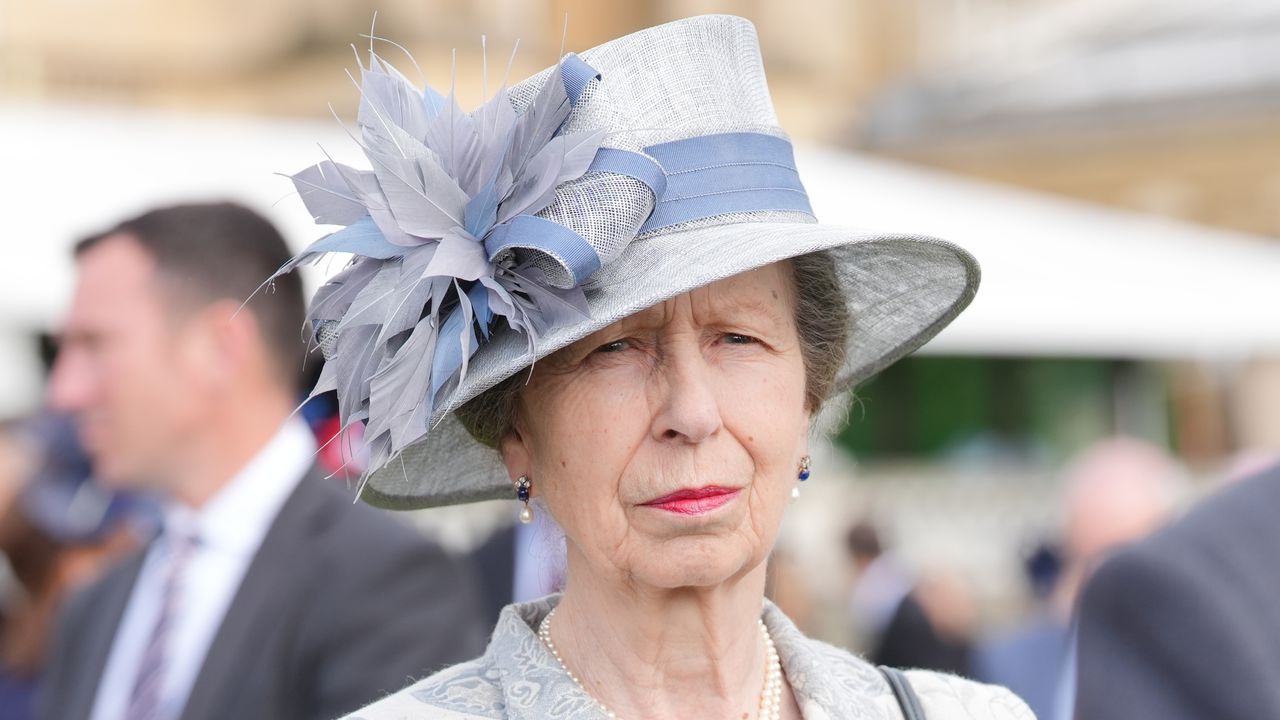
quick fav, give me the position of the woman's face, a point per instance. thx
(666, 445)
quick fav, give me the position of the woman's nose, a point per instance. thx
(688, 410)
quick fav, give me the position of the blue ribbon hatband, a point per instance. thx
(725, 173)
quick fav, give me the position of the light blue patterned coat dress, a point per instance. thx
(517, 678)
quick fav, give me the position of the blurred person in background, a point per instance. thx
(1115, 492)
(1029, 658)
(267, 594)
(879, 583)
(923, 622)
(58, 531)
(1186, 623)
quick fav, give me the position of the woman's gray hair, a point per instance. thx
(822, 322)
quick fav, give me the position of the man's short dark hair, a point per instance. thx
(217, 251)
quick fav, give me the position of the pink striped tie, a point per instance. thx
(145, 700)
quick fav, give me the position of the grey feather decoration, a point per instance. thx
(421, 293)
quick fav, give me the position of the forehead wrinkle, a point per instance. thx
(745, 294)
(717, 302)
(734, 305)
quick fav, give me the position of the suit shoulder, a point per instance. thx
(1213, 562)
(1247, 500)
(955, 698)
(1160, 575)
(357, 526)
(359, 551)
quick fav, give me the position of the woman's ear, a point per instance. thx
(515, 454)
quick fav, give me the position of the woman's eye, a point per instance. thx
(738, 339)
(613, 347)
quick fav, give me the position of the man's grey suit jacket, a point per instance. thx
(340, 606)
(1186, 624)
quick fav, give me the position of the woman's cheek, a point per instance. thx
(586, 429)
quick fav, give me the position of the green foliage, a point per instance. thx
(934, 407)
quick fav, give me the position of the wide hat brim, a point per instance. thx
(901, 290)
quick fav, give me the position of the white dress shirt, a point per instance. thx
(229, 529)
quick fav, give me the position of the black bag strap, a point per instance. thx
(903, 692)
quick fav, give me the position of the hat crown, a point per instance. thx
(690, 78)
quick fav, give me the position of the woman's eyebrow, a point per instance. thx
(722, 309)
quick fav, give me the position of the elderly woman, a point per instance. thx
(603, 294)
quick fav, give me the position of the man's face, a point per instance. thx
(126, 368)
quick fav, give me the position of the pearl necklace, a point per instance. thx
(770, 695)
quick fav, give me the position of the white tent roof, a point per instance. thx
(1059, 277)
(73, 170)
(1063, 277)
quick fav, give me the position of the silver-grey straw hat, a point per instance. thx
(629, 174)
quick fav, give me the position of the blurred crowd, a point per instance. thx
(1115, 492)
(58, 530)
(180, 538)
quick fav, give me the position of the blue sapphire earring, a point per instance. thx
(803, 475)
(522, 494)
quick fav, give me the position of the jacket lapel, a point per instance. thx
(99, 613)
(261, 602)
(828, 683)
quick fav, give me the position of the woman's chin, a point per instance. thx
(696, 562)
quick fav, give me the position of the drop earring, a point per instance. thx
(803, 475)
(522, 494)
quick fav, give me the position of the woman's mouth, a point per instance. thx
(694, 501)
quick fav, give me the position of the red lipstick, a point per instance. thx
(694, 501)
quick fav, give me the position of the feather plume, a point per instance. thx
(422, 294)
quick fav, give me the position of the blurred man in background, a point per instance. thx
(1028, 659)
(267, 594)
(908, 622)
(1116, 492)
(1187, 624)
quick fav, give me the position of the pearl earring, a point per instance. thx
(803, 475)
(522, 494)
